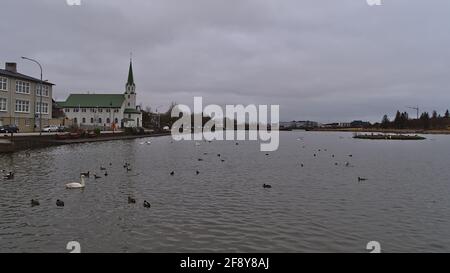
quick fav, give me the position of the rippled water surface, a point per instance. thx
(320, 207)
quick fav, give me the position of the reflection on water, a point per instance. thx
(320, 207)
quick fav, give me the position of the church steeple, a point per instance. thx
(130, 86)
(130, 74)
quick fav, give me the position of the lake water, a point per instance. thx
(320, 207)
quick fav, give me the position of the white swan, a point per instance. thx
(76, 185)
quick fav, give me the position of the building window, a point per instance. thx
(83, 110)
(92, 110)
(108, 120)
(108, 110)
(67, 110)
(45, 90)
(3, 105)
(44, 108)
(75, 120)
(22, 87)
(3, 84)
(99, 120)
(22, 106)
(128, 104)
(116, 120)
(84, 120)
(128, 96)
(92, 120)
(100, 110)
(129, 115)
(76, 110)
(116, 110)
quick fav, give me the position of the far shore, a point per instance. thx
(383, 131)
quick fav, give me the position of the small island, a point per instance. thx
(388, 137)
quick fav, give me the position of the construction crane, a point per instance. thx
(415, 108)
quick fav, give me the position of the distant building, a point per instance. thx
(345, 124)
(287, 124)
(105, 110)
(331, 125)
(20, 100)
(359, 124)
(298, 124)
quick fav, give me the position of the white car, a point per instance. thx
(50, 128)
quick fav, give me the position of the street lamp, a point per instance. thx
(159, 117)
(40, 87)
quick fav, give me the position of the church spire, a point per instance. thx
(130, 86)
(130, 74)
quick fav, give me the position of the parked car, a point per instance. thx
(50, 128)
(9, 129)
(62, 128)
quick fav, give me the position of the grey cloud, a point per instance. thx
(326, 60)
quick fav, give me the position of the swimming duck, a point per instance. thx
(59, 203)
(9, 175)
(146, 204)
(34, 203)
(266, 186)
(131, 200)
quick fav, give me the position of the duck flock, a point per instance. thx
(9, 175)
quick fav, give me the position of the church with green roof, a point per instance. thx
(109, 111)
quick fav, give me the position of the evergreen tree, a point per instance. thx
(385, 122)
(425, 119)
(397, 120)
(435, 115)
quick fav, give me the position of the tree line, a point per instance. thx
(426, 121)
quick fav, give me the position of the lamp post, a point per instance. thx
(40, 87)
(159, 117)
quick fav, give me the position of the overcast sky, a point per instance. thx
(324, 60)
